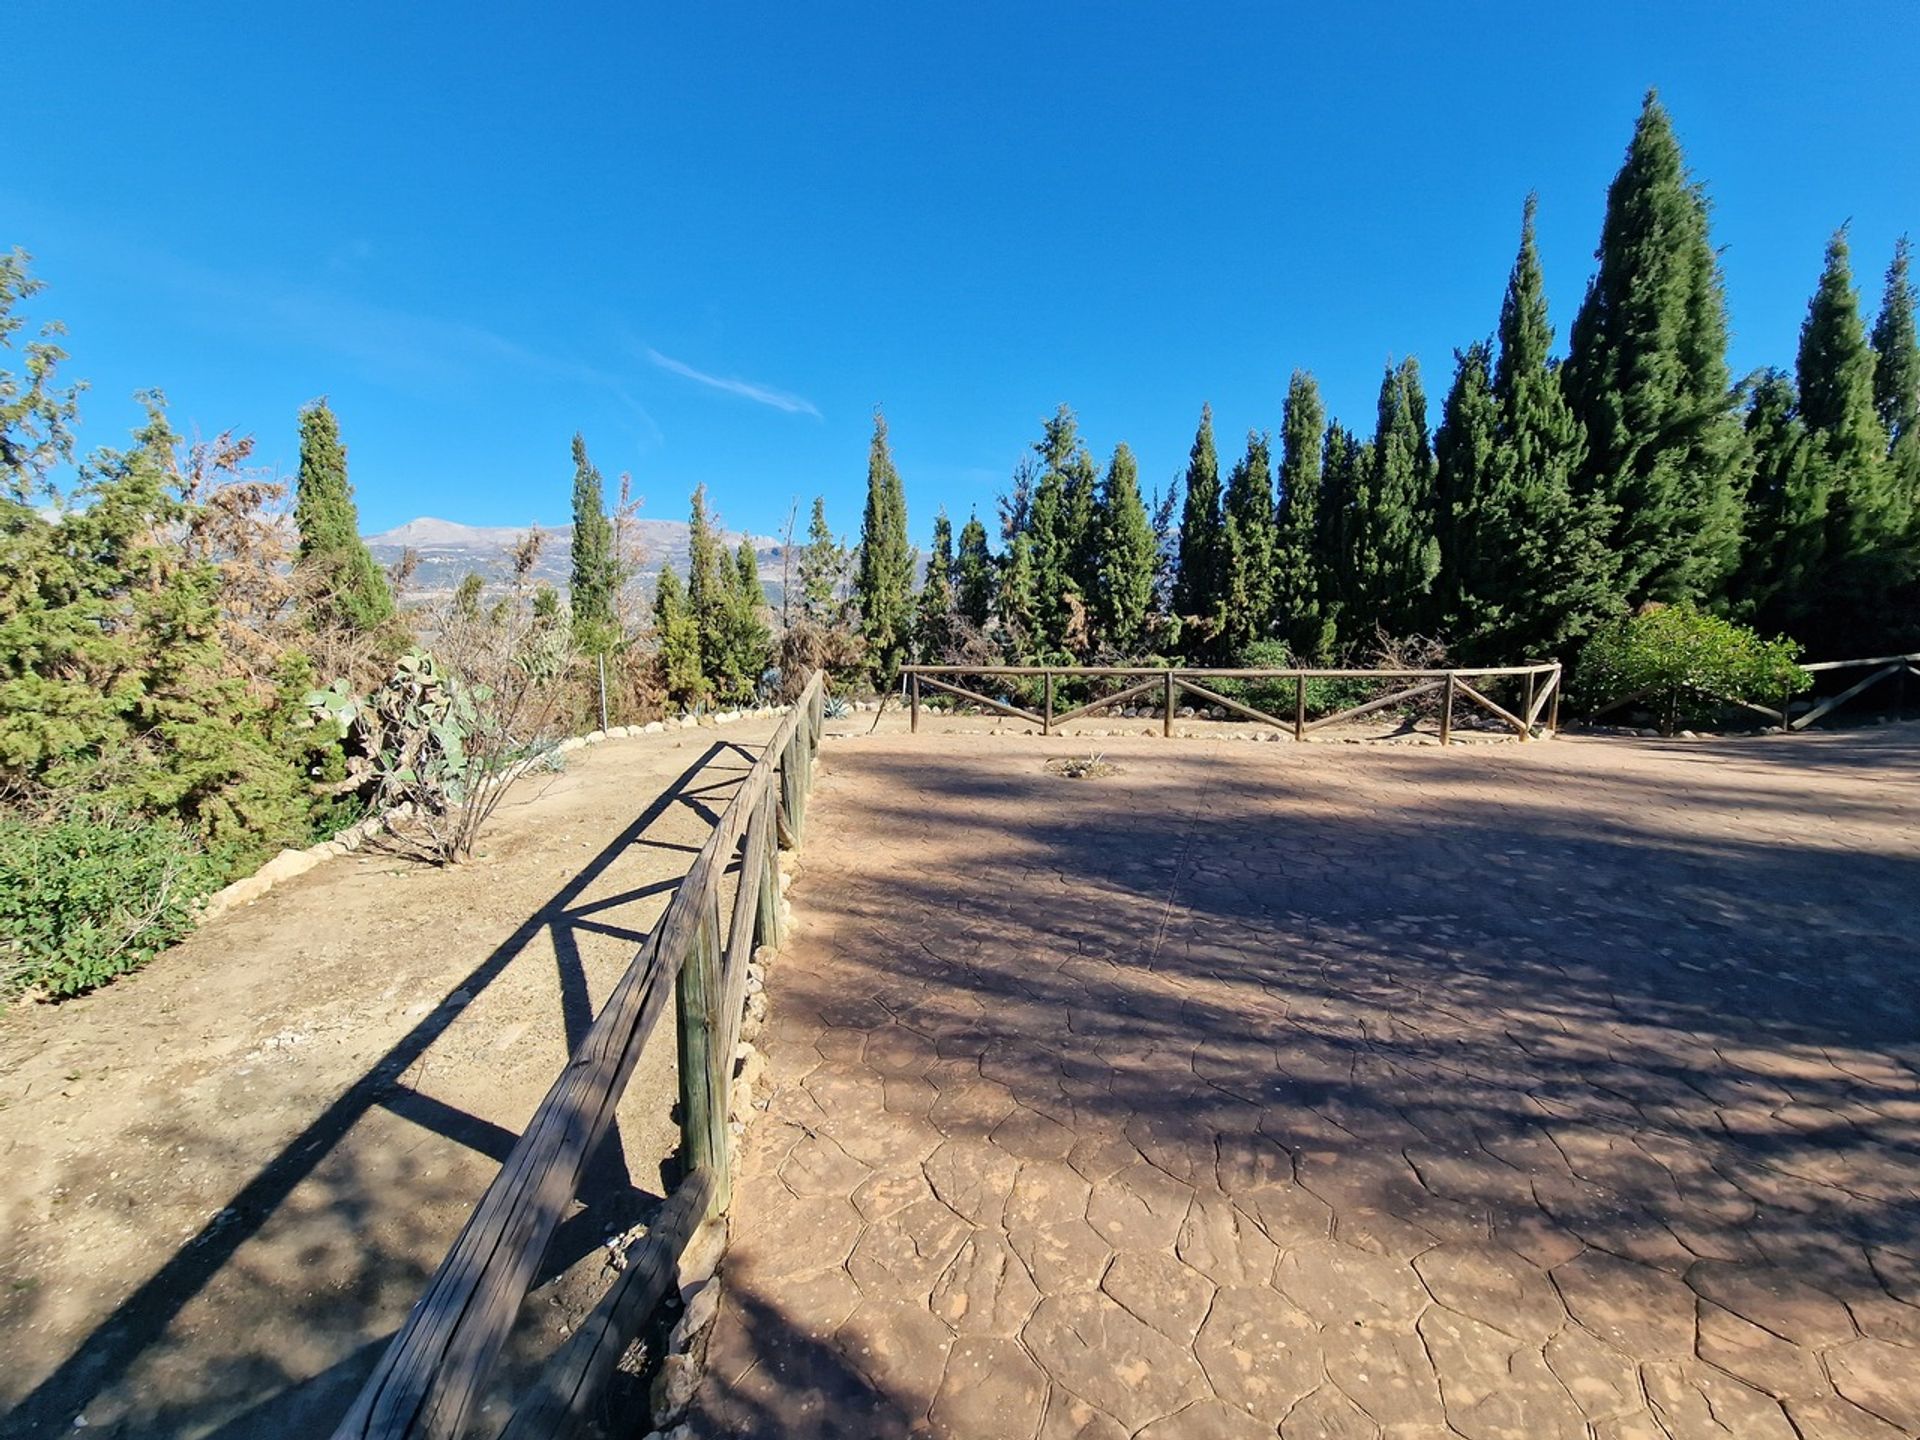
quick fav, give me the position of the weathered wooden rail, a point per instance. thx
(427, 1383)
(1167, 683)
(1884, 667)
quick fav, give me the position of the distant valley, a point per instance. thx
(450, 551)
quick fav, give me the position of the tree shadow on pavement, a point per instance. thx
(1616, 1024)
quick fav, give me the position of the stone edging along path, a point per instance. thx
(289, 863)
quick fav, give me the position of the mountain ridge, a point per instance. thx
(450, 550)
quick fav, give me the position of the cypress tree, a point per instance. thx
(883, 582)
(1780, 579)
(355, 595)
(1646, 376)
(749, 641)
(1896, 381)
(1129, 558)
(823, 565)
(1558, 576)
(935, 626)
(1247, 544)
(677, 642)
(1396, 557)
(1343, 461)
(1061, 524)
(594, 580)
(710, 585)
(1197, 584)
(1018, 607)
(1468, 522)
(1298, 601)
(1866, 528)
(974, 577)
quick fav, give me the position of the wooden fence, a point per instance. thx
(1165, 684)
(427, 1383)
(1883, 667)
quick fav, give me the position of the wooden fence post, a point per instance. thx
(913, 704)
(1166, 724)
(1786, 709)
(1046, 723)
(767, 924)
(703, 1102)
(1553, 704)
(1446, 712)
(787, 814)
(1526, 711)
(1300, 707)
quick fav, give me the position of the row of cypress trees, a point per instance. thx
(1552, 494)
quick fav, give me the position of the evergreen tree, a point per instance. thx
(677, 642)
(749, 643)
(1197, 585)
(1166, 570)
(595, 569)
(1780, 577)
(1547, 574)
(354, 594)
(934, 630)
(466, 595)
(36, 416)
(114, 685)
(1647, 378)
(1343, 463)
(1866, 557)
(1129, 558)
(1298, 602)
(1063, 532)
(1247, 546)
(710, 586)
(1017, 605)
(974, 574)
(1468, 511)
(1896, 381)
(883, 583)
(823, 567)
(1396, 557)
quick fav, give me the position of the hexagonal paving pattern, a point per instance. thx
(1509, 1093)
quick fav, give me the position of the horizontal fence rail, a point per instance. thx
(1884, 667)
(1167, 683)
(428, 1382)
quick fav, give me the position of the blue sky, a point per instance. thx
(715, 238)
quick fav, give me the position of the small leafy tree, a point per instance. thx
(1688, 663)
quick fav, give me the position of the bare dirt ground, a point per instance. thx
(224, 1180)
(1518, 1091)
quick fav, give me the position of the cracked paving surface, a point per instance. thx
(1561, 1090)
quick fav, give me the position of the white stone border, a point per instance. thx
(289, 863)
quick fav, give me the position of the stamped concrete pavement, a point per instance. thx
(1570, 1089)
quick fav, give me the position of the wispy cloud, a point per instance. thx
(746, 389)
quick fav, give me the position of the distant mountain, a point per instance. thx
(450, 551)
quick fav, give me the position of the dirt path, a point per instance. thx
(223, 1181)
(1513, 1093)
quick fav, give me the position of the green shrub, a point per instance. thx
(1277, 697)
(1686, 664)
(86, 898)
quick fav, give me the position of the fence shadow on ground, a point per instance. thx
(1510, 998)
(610, 1199)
